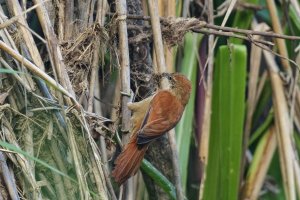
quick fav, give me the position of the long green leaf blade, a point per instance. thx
(228, 110)
(184, 128)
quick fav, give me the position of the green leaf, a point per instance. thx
(228, 111)
(184, 128)
(242, 19)
(11, 71)
(159, 178)
(294, 16)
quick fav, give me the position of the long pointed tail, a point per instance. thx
(129, 161)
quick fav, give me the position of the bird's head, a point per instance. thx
(179, 85)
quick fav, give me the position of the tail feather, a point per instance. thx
(129, 161)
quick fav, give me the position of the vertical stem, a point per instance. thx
(125, 65)
(125, 80)
(284, 128)
(53, 47)
(158, 43)
(101, 7)
(161, 67)
(205, 133)
(277, 29)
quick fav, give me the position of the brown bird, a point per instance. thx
(151, 118)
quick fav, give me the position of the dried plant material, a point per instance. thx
(174, 29)
(78, 55)
(3, 97)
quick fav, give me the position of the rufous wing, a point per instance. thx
(164, 112)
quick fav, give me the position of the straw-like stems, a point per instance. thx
(255, 58)
(48, 187)
(260, 165)
(283, 128)
(57, 179)
(101, 9)
(95, 83)
(102, 145)
(124, 61)
(277, 29)
(57, 157)
(83, 187)
(167, 8)
(7, 178)
(26, 35)
(157, 37)
(125, 79)
(205, 129)
(55, 54)
(175, 163)
(34, 69)
(15, 75)
(21, 161)
(68, 25)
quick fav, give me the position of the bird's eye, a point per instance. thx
(169, 78)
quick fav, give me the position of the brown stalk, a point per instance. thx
(16, 17)
(15, 8)
(283, 128)
(255, 58)
(167, 8)
(277, 29)
(256, 177)
(124, 62)
(121, 7)
(205, 129)
(53, 48)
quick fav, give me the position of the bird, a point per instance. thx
(151, 119)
